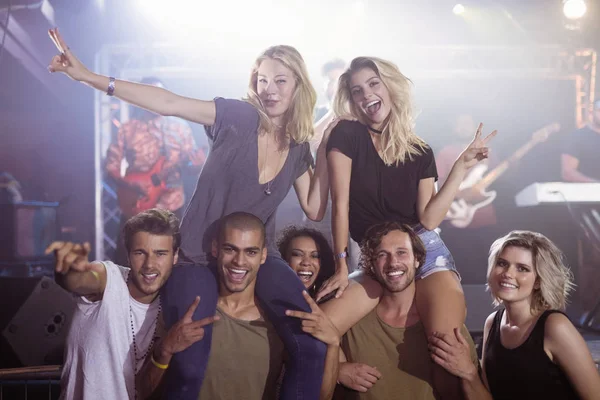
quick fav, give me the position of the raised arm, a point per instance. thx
(320, 130)
(571, 353)
(433, 207)
(312, 188)
(152, 98)
(74, 272)
(340, 169)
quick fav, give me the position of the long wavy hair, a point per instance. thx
(299, 116)
(399, 142)
(325, 252)
(554, 277)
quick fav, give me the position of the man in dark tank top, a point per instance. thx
(387, 351)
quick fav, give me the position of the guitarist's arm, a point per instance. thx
(186, 154)
(569, 171)
(114, 156)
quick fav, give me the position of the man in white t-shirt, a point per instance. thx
(117, 318)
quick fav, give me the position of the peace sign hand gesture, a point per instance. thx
(66, 62)
(316, 322)
(186, 331)
(477, 149)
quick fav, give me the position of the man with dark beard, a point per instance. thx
(118, 309)
(387, 351)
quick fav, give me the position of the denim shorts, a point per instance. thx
(438, 256)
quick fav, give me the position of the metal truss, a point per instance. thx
(168, 60)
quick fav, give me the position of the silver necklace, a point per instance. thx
(267, 190)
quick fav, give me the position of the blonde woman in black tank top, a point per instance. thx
(530, 348)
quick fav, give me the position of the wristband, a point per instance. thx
(341, 255)
(111, 86)
(157, 364)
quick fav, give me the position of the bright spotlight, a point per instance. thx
(574, 9)
(458, 9)
(359, 8)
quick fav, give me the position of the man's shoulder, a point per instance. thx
(116, 277)
(115, 268)
(585, 132)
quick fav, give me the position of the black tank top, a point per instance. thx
(525, 372)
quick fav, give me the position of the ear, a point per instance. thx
(214, 250)
(176, 258)
(537, 285)
(264, 256)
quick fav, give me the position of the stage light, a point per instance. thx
(574, 9)
(458, 9)
(359, 8)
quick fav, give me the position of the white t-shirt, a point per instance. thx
(99, 356)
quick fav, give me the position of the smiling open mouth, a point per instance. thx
(236, 275)
(508, 285)
(395, 274)
(373, 107)
(305, 276)
(149, 278)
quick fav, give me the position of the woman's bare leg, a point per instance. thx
(360, 298)
(441, 306)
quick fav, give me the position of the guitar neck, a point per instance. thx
(504, 165)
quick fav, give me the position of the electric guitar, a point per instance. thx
(154, 183)
(473, 193)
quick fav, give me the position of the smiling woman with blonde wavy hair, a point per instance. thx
(530, 348)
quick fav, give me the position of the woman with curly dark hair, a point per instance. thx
(309, 254)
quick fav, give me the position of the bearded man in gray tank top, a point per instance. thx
(387, 351)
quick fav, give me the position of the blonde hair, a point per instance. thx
(554, 277)
(299, 116)
(398, 139)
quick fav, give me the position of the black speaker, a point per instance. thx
(34, 320)
(27, 229)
